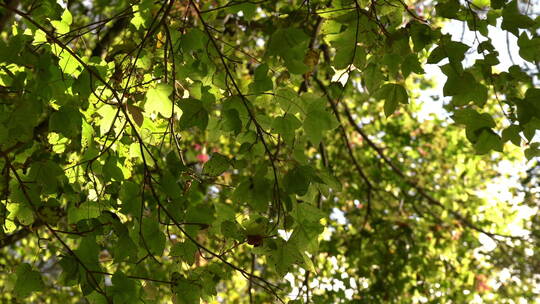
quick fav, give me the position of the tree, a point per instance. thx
(263, 152)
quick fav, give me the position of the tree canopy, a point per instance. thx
(267, 151)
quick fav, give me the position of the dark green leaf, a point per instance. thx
(512, 133)
(194, 114)
(185, 251)
(488, 141)
(217, 164)
(393, 94)
(28, 281)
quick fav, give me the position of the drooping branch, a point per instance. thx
(421, 190)
(260, 281)
(95, 283)
(345, 138)
(259, 129)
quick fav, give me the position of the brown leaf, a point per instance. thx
(136, 113)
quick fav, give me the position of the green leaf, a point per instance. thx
(285, 126)
(477, 94)
(231, 121)
(231, 229)
(261, 82)
(28, 281)
(62, 26)
(153, 238)
(454, 51)
(46, 175)
(88, 253)
(393, 94)
(249, 10)
(195, 39)
(123, 288)
(373, 77)
(513, 20)
(437, 55)
(70, 271)
(528, 48)
(200, 214)
(529, 129)
(96, 298)
(111, 171)
(125, 248)
(217, 164)
(488, 141)
(343, 58)
(68, 63)
(307, 228)
(285, 256)
(411, 65)
(533, 151)
(66, 121)
(187, 291)
(290, 44)
(22, 212)
(67, 18)
(512, 133)
(84, 211)
(255, 192)
(305, 236)
(288, 100)
(346, 51)
(130, 198)
(463, 87)
(285, 40)
(170, 186)
(421, 35)
(496, 4)
(194, 114)
(457, 84)
(392, 61)
(473, 120)
(298, 179)
(185, 251)
(448, 9)
(157, 100)
(318, 120)
(295, 65)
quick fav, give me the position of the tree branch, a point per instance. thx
(6, 16)
(11, 239)
(423, 192)
(118, 26)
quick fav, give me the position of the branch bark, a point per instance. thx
(421, 190)
(118, 26)
(8, 13)
(11, 239)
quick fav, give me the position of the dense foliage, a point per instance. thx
(264, 152)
